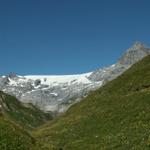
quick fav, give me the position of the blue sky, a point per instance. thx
(69, 36)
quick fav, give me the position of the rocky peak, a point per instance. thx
(137, 46)
(131, 56)
(12, 75)
(134, 54)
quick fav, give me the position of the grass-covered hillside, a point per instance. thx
(115, 117)
(26, 115)
(12, 137)
(16, 121)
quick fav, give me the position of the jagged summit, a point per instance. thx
(12, 75)
(134, 54)
(131, 56)
(136, 46)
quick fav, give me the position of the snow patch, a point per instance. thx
(12, 82)
(55, 80)
(113, 65)
(55, 94)
(51, 108)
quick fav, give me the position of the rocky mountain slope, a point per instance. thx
(116, 116)
(58, 93)
(131, 56)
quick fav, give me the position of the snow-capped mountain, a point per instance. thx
(57, 93)
(49, 93)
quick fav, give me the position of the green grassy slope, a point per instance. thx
(117, 116)
(28, 117)
(12, 137)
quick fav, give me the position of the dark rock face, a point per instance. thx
(11, 75)
(37, 82)
(3, 81)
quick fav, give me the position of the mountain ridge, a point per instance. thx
(57, 93)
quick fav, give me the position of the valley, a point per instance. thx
(112, 115)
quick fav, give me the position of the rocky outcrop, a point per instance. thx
(131, 56)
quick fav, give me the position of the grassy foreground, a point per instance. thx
(12, 137)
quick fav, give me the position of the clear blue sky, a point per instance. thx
(68, 36)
